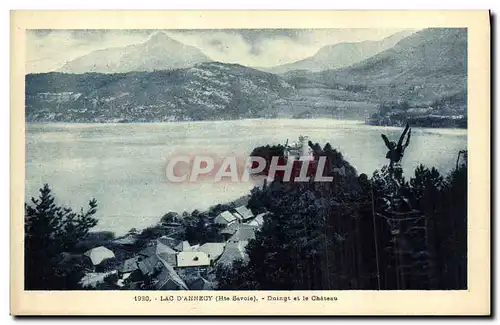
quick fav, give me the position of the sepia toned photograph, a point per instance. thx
(246, 160)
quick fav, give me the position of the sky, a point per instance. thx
(49, 50)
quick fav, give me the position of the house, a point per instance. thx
(225, 218)
(161, 275)
(232, 252)
(148, 251)
(258, 221)
(213, 250)
(201, 284)
(183, 246)
(245, 232)
(168, 279)
(98, 254)
(238, 217)
(169, 241)
(165, 252)
(244, 213)
(162, 247)
(229, 230)
(150, 266)
(129, 271)
(168, 257)
(190, 259)
(129, 265)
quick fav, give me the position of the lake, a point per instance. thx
(123, 165)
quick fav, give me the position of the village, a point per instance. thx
(169, 262)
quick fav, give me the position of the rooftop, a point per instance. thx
(185, 259)
(244, 212)
(233, 252)
(213, 250)
(99, 254)
(245, 232)
(227, 216)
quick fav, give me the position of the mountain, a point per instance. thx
(340, 55)
(159, 52)
(424, 69)
(422, 78)
(207, 91)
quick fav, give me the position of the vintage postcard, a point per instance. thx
(250, 163)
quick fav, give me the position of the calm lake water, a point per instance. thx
(123, 165)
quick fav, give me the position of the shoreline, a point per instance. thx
(348, 121)
(159, 123)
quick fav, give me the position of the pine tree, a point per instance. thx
(51, 230)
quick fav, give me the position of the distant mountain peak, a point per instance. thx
(161, 38)
(159, 52)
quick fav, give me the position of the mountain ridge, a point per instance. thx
(340, 55)
(206, 91)
(424, 73)
(420, 68)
